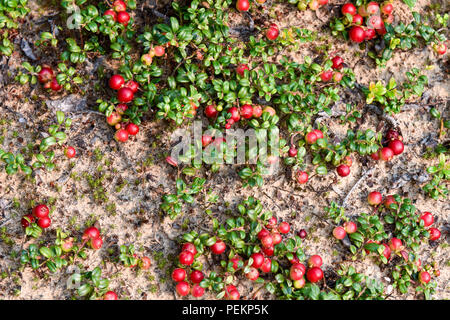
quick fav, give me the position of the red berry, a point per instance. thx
(388, 201)
(440, 48)
(159, 51)
(182, 288)
(427, 218)
(434, 234)
(235, 262)
(125, 95)
(26, 220)
(189, 247)
(339, 233)
(323, 2)
(116, 82)
(197, 291)
(133, 85)
(302, 234)
(424, 277)
(337, 76)
(45, 75)
(196, 276)
(276, 238)
(297, 271)
(314, 5)
(375, 22)
(210, 111)
(123, 17)
(298, 284)
(233, 295)
(253, 274)
(178, 275)
(372, 8)
(375, 156)
(235, 116)
(145, 263)
(206, 140)
(70, 152)
(263, 233)
(311, 137)
(396, 146)
(97, 243)
(343, 170)
(292, 151)
(314, 275)
(386, 154)
(268, 251)
(114, 118)
(44, 222)
(272, 223)
(387, 8)
(258, 259)
(121, 135)
(357, 34)
(111, 13)
(119, 5)
(121, 108)
(374, 198)
(132, 129)
(315, 261)
(257, 111)
(240, 70)
(91, 233)
(337, 63)
(54, 85)
(395, 244)
(382, 31)
(110, 295)
(348, 8)
(242, 5)
(267, 265)
(302, 177)
(392, 135)
(267, 241)
(40, 211)
(350, 227)
(272, 33)
(326, 75)
(218, 247)
(284, 227)
(348, 161)
(389, 19)
(270, 110)
(186, 258)
(246, 111)
(357, 20)
(318, 133)
(369, 34)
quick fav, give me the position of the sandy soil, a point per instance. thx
(140, 167)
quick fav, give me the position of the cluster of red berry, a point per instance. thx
(374, 23)
(47, 77)
(118, 12)
(338, 64)
(393, 146)
(40, 212)
(92, 236)
(186, 258)
(125, 94)
(298, 271)
(375, 198)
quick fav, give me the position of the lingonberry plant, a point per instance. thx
(437, 187)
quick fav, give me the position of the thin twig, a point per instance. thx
(355, 185)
